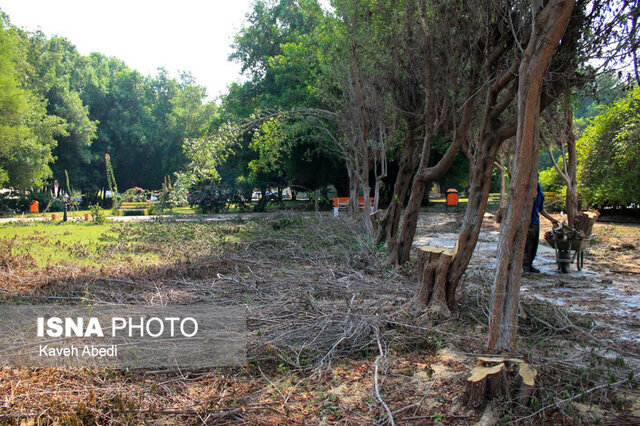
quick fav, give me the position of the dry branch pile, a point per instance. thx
(317, 295)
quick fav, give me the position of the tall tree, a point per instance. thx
(549, 25)
(53, 69)
(26, 131)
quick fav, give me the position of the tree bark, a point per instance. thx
(492, 133)
(549, 25)
(390, 222)
(571, 165)
(422, 182)
(433, 265)
(480, 185)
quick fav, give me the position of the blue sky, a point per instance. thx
(188, 35)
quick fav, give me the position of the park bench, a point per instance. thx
(342, 203)
(141, 208)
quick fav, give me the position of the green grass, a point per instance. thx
(37, 245)
(76, 213)
(71, 243)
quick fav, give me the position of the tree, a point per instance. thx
(448, 61)
(563, 134)
(549, 25)
(53, 67)
(26, 132)
(277, 51)
(609, 155)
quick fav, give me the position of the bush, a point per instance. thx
(550, 179)
(45, 200)
(135, 195)
(209, 198)
(7, 206)
(97, 214)
(172, 194)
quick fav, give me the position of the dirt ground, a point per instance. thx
(607, 288)
(329, 340)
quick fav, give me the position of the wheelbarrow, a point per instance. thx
(568, 250)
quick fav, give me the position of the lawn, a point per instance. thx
(41, 245)
(70, 213)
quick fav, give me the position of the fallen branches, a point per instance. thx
(573, 398)
(375, 381)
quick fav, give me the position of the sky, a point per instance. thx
(179, 35)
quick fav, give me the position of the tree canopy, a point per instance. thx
(609, 155)
(62, 111)
(27, 132)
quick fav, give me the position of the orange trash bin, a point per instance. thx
(452, 197)
(34, 207)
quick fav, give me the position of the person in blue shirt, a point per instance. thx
(533, 234)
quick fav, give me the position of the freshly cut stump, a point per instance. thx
(500, 378)
(433, 266)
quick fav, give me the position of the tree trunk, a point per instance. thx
(354, 184)
(366, 207)
(422, 183)
(390, 222)
(502, 167)
(549, 25)
(480, 185)
(433, 266)
(571, 200)
(507, 379)
(401, 250)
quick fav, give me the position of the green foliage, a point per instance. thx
(66, 110)
(135, 195)
(550, 179)
(209, 198)
(26, 131)
(269, 141)
(97, 215)
(206, 154)
(609, 155)
(278, 50)
(47, 202)
(604, 89)
(172, 195)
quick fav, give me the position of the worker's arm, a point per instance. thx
(549, 217)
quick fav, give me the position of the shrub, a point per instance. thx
(209, 198)
(97, 214)
(7, 206)
(172, 194)
(609, 155)
(135, 195)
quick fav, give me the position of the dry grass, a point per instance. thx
(319, 301)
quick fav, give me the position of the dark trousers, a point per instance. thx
(531, 246)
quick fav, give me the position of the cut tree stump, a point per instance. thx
(500, 378)
(433, 266)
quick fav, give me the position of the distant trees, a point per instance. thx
(609, 155)
(53, 74)
(27, 132)
(64, 111)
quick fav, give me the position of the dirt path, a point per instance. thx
(606, 291)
